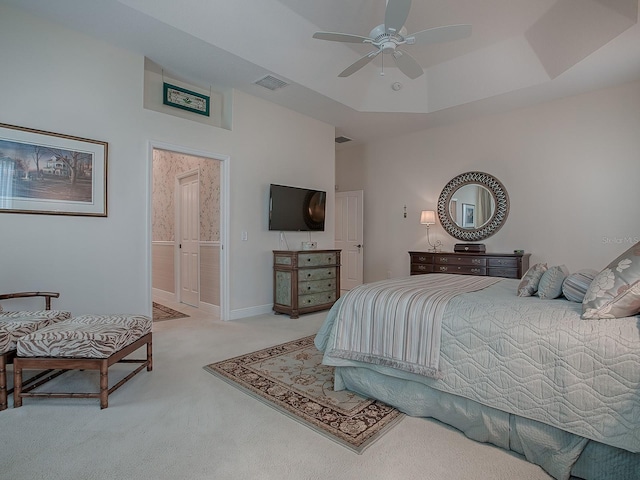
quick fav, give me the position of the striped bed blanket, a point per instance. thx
(398, 323)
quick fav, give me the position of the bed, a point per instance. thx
(523, 373)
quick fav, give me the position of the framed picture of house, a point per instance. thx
(468, 215)
(185, 99)
(51, 173)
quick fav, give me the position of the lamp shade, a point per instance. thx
(428, 217)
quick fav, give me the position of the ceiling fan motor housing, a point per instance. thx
(387, 41)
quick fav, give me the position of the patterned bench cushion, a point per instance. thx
(86, 336)
(14, 325)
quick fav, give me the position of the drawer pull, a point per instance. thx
(443, 269)
(422, 259)
(444, 259)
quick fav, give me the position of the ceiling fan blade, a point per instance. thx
(396, 15)
(354, 67)
(407, 64)
(447, 33)
(341, 37)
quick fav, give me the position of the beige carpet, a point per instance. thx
(291, 378)
(179, 422)
(162, 312)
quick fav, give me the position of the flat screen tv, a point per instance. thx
(293, 209)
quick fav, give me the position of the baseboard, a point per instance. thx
(210, 308)
(164, 295)
(250, 311)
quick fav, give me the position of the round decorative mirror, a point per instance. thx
(473, 206)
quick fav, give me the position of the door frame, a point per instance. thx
(177, 260)
(225, 161)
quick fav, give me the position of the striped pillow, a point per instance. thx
(575, 286)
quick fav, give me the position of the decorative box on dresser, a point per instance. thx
(508, 265)
(305, 281)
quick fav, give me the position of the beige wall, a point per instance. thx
(571, 168)
(103, 265)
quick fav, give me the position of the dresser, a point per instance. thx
(508, 265)
(305, 281)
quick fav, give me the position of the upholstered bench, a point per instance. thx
(87, 342)
(16, 324)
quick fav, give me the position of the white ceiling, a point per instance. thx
(521, 52)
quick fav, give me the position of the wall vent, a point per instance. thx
(342, 139)
(270, 82)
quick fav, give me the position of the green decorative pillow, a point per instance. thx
(530, 280)
(615, 292)
(550, 285)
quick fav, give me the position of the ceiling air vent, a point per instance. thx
(342, 139)
(272, 83)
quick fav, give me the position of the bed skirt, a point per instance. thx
(561, 454)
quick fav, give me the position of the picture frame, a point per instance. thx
(468, 215)
(179, 97)
(52, 173)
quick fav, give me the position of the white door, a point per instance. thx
(189, 238)
(349, 237)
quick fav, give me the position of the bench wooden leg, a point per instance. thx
(149, 355)
(104, 384)
(17, 385)
(3, 381)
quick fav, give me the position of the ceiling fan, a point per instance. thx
(387, 37)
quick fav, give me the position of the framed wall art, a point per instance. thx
(185, 99)
(468, 215)
(51, 173)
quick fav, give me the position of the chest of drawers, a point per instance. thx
(508, 265)
(305, 281)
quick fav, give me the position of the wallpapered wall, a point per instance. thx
(166, 165)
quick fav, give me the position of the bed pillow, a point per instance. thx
(615, 291)
(530, 280)
(575, 286)
(550, 285)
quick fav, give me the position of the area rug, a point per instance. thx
(160, 312)
(291, 378)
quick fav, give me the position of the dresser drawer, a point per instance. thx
(460, 260)
(315, 299)
(316, 286)
(315, 259)
(421, 268)
(421, 258)
(503, 262)
(460, 269)
(309, 274)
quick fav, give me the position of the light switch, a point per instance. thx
(244, 236)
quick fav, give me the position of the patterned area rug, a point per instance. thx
(160, 312)
(291, 378)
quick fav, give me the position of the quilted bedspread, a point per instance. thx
(534, 358)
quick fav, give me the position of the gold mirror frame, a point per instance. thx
(500, 197)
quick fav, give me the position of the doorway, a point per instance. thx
(188, 218)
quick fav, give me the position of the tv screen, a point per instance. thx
(293, 209)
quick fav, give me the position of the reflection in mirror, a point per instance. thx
(471, 206)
